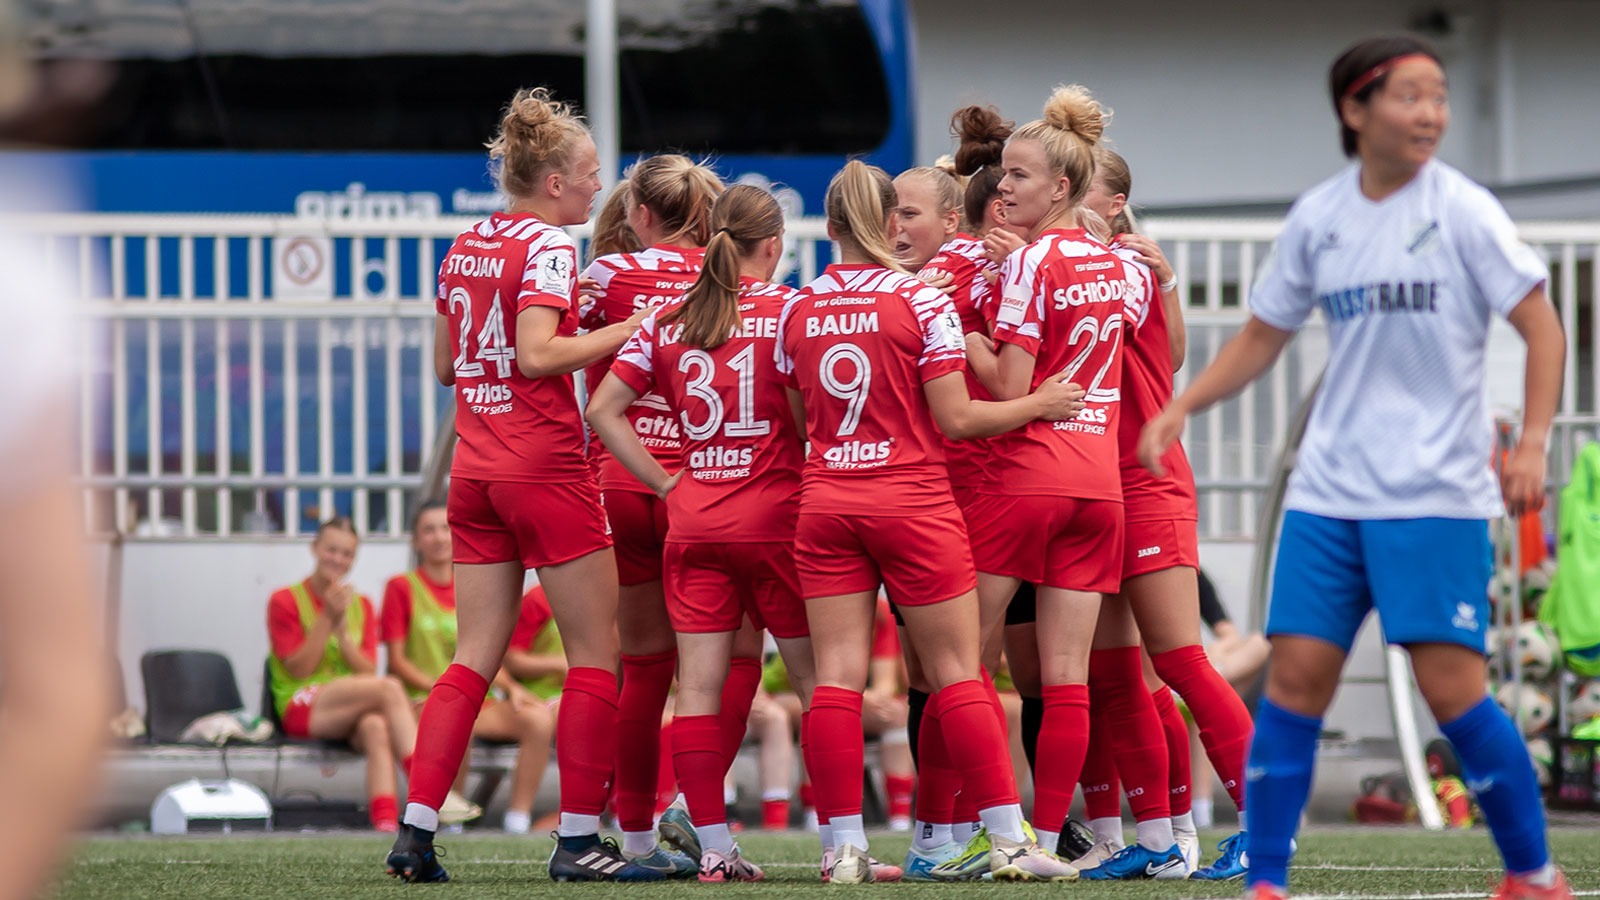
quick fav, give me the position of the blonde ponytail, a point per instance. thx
(859, 201)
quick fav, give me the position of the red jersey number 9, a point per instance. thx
(491, 337)
(699, 386)
(852, 391)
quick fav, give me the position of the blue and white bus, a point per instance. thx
(324, 107)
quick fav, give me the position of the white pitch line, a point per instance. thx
(1475, 895)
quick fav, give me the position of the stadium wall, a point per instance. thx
(1226, 102)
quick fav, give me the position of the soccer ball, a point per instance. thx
(1537, 708)
(1536, 645)
(1585, 704)
(1543, 758)
(1502, 587)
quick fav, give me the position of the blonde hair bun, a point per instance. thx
(1072, 108)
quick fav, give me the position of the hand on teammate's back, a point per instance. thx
(1062, 398)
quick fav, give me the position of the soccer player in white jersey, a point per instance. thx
(1388, 503)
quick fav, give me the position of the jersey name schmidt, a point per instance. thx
(1380, 297)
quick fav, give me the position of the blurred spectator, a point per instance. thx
(53, 680)
(419, 630)
(324, 669)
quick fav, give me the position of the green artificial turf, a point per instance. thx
(1355, 863)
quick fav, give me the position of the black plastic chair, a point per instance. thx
(183, 685)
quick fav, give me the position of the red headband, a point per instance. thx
(1380, 70)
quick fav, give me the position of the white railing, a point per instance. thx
(216, 402)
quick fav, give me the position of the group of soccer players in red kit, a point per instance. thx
(947, 414)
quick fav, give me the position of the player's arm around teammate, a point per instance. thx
(1386, 508)
(729, 549)
(876, 358)
(522, 494)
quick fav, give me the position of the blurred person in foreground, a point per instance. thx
(50, 728)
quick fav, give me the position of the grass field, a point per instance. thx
(1360, 864)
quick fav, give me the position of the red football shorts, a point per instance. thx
(919, 559)
(638, 531)
(297, 713)
(1058, 542)
(710, 587)
(537, 524)
(1160, 544)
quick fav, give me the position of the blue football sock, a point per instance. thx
(1498, 771)
(1277, 783)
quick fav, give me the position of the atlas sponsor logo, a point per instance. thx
(858, 454)
(720, 457)
(487, 399)
(657, 427)
(1089, 292)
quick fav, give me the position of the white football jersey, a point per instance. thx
(1401, 428)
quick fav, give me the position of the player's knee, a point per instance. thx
(373, 727)
(392, 690)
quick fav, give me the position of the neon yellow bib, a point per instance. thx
(431, 640)
(546, 643)
(332, 664)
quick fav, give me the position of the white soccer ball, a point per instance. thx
(1502, 587)
(1536, 645)
(1537, 708)
(1543, 758)
(1585, 703)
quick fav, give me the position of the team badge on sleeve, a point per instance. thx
(555, 274)
(947, 330)
(1013, 305)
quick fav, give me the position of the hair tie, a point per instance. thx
(723, 230)
(1380, 70)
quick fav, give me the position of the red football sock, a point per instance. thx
(993, 696)
(836, 752)
(586, 739)
(899, 788)
(666, 776)
(1102, 797)
(1224, 723)
(1177, 731)
(738, 692)
(645, 682)
(382, 811)
(1065, 735)
(938, 780)
(775, 814)
(808, 794)
(1137, 738)
(444, 732)
(697, 758)
(976, 745)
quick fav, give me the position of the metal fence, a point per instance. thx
(255, 374)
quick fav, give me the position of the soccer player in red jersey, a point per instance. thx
(418, 626)
(1051, 512)
(324, 668)
(874, 359)
(522, 493)
(669, 209)
(730, 545)
(1161, 561)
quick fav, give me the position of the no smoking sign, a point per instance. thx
(301, 267)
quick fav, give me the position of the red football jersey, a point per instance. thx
(630, 282)
(740, 448)
(963, 259)
(1064, 299)
(510, 427)
(858, 343)
(1147, 389)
